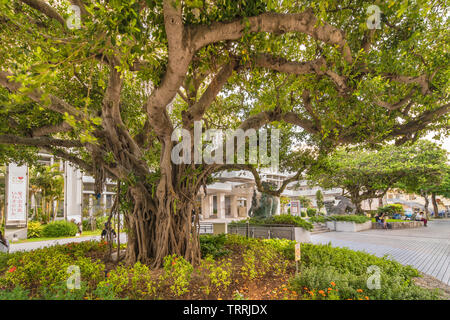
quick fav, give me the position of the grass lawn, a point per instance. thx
(84, 234)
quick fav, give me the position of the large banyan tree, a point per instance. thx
(104, 84)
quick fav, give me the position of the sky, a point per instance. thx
(445, 141)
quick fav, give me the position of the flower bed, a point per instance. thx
(232, 267)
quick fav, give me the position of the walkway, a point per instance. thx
(426, 249)
(26, 246)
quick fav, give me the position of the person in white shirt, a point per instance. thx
(420, 217)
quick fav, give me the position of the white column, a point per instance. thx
(221, 205)
(206, 208)
(249, 202)
(73, 193)
(234, 208)
(278, 210)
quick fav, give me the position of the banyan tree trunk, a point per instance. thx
(160, 226)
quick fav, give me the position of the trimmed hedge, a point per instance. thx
(286, 219)
(391, 209)
(311, 212)
(349, 218)
(60, 229)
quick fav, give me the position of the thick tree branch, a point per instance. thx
(290, 67)
(396, 105)
(70, 157)
(197, 110)
(420, 122)
(39, 141)
(178, 63)
(56, 104)
(50, 129)
(304, 22)
(46, 9)
(258, 180)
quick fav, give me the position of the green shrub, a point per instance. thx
(134, 282)
(349, 218)
(322, 265)
(311, 212)
(177, 271)
(216, 274)
(320, 219)
(286, 219)
(15, 294)
(303, 214)
(47, 267)
(213, 245)
(354, 262)
(346, 285)
(100, 222)
(60, 291)
(34, 229)
(60, 229)
(391, 209)
(87, 225)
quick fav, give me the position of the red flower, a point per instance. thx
(12, 269)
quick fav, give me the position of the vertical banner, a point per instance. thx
(295, 207)
(297, 256)
(73, 193)
(16, 194)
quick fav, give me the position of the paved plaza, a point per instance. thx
(426, 249)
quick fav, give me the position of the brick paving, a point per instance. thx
(426, 248)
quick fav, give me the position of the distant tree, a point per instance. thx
(284, 201)
(319, 200)
(305, 202)
(370, 174)
(429, 185)
(443, 189)
(48, 182)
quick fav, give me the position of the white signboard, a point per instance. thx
(16, 198)
(295, 207)
(73, 193)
